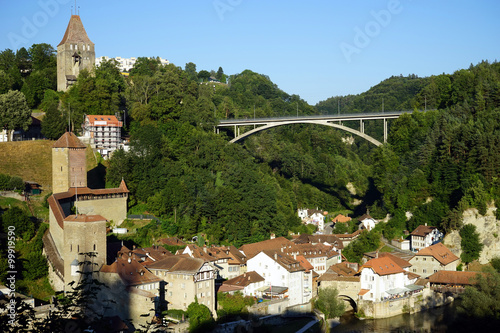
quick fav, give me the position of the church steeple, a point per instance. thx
(74, 53)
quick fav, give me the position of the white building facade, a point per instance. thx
(281, 270)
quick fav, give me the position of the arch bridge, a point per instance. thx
(336, 121)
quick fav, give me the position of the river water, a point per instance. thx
(442, 319)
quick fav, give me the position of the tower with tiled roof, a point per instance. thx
(77, 214)
(75, 52)
(69, 167)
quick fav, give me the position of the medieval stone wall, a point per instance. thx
(83, 237)
(113, 209)
(60, 170)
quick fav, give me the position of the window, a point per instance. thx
(183, 286)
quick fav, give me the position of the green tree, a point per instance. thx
(190, 70)
(14, 111)
(200, 317)
(233, 305)
(54, 123)
(220, 75)
(42, 56)
(329, 303)
(6, 82)
(203, 75)
(19, 219)
(35, 266)
(16, 183)
(471, 245)
(482, 300)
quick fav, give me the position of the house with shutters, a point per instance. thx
(424, 236)
(432, 259)
(186, 278)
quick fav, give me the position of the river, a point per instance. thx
(442, 319)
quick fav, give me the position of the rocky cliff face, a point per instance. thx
(488, 228)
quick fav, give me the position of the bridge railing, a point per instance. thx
(345, 116)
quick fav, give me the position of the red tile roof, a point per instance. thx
(251, 250)
(75, 32)
(244, 280)
(131, 272)
(287, 262)
(454, 277)
(363, 291)
(178, 264)
(422, 230)
(440, 252)
(341, 218)
(401, 262)
(304, 263)
(341, 269)
(103, 120)
(68, 140)
(383, 266)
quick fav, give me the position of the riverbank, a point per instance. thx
(421, 301)
(443, 319)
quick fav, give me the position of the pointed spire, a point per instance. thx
(123, 186)
(75, 32)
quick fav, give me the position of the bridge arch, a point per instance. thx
(317, 122)
(350, 300)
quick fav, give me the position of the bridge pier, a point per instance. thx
(385, 130)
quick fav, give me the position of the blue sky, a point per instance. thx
(316, 49)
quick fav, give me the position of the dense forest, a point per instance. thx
(439, 160)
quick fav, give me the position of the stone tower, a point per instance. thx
(74, 53)
(69, 167)
(77, 214)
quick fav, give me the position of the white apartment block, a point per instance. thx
(125, 64)
(104, 133)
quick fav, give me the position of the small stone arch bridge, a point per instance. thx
(336, 121)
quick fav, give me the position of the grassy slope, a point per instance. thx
(32, 160)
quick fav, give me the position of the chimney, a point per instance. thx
(133, 247)
(129, 260)
(295, 256)
(426, 224)
(244, 274)
(376, 254)
(205, 249)
(275, 256)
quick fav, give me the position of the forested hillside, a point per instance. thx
(436, 164)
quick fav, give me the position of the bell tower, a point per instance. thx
(74, 53)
